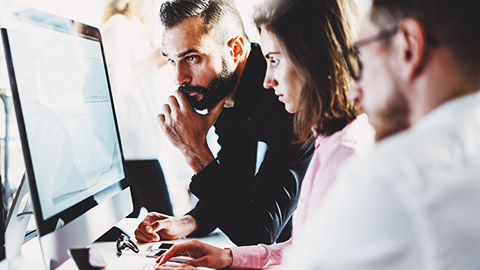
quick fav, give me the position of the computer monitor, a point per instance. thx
(68, 129)
(3, 261)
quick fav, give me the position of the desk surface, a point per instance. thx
(108, 249)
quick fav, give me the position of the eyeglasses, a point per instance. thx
(352, 55)
(124, 242)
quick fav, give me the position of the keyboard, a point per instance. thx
(140, 262)
(133, 262)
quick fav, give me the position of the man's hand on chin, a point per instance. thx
(187, 130)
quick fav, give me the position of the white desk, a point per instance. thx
(109, 252)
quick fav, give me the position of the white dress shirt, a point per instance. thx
(135, 101)
(413, 203)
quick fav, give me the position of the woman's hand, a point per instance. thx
(175, 267)
(203, 255)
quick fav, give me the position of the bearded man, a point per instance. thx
(218, 69)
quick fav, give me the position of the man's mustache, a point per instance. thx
(187, 89)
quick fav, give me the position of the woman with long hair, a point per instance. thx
(302, 41)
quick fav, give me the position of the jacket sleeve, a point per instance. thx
(249, 207)
(205, 220)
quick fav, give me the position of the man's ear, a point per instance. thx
(413, 47)
(237, 48)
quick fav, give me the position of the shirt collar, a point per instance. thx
(448, 110)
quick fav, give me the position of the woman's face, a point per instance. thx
(281, 74)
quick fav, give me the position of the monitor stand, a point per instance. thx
(16, 228)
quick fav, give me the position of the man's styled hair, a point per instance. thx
(453, 24)
(221, 17)
(313, 34)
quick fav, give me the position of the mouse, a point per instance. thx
(112, 235)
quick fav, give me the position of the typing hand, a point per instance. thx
(176, 267)
(156, 226)
(187, 130)
(203, 255)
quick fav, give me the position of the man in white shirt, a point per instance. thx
(414, 202)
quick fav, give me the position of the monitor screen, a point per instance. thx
(65, 114)
(2, 225)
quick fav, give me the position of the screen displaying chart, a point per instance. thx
(68, 114)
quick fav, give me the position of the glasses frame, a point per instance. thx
(124, 242)
(354, 53)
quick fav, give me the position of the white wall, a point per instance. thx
(86, 11)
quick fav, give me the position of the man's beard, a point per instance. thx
(393, 118)
(220, 87)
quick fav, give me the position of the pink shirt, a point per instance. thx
(330, 153)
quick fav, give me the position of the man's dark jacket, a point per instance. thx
(249, 207)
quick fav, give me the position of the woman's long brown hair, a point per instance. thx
(313, 33)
